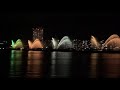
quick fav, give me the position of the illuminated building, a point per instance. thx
(17, 45)
(114, 44)
(110, 38)
(65, 43)
(38, 33)
(94, 43)
(36, 44)
(54, 43)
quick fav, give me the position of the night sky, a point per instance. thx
(82, 25)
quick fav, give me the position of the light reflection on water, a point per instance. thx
(32, 64)
(111, 65)
(60, 64)
(93, 65)
(15, 63)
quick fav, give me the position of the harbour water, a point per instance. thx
(41, 64)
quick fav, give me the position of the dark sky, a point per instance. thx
(82, 25)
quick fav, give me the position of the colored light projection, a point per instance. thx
(110, 38)
(35, 45)
(65, 43)
(54, 43)
(94, 43)
(113, 42)
(17, 45)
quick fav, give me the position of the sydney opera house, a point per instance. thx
(94, 43)
(36, 44)
(112, 43)
(65, 43)
(17, 45)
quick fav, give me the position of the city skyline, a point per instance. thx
(62, 44)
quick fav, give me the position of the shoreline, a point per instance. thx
(52, 50)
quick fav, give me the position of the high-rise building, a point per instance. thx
(38, 33)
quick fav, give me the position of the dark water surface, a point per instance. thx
(38, 64)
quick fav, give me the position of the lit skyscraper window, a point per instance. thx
(38, 33)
